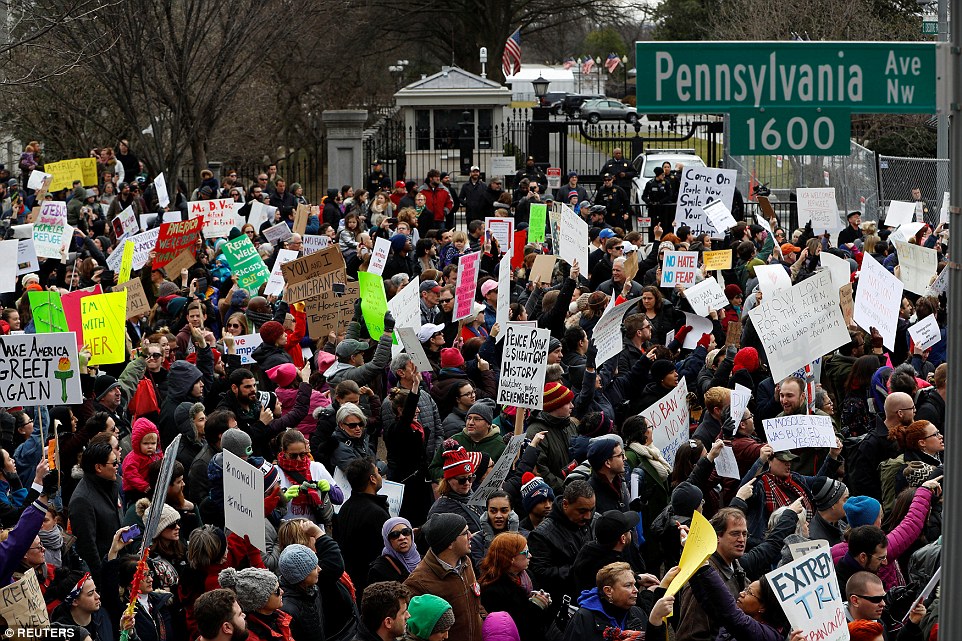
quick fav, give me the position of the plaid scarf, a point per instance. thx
(781, 492)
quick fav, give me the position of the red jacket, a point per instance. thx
(438, 201)
(294, 337)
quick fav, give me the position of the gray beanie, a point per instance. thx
(483, 408)
(296, 562)
(442, 529)
(237, 442)
(253, 586)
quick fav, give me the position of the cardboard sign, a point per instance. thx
(799, 324)
(409, 341)
(542, 269)
(382, 249)
(39, 369)
(697, 188)
(669, 418)
(706, 296)
(218, 215)
(50, 240)
(174, 238)
(899, 213)
(246, 264)
(22, 607)
(103, 317)
(184, 260)
(523, 366)
(799, 431)
(308, 276)
(679, 268)
(733, 335)
(244, 499)
(924, 333)
(330, 310)
(877, 300)
(917, 266)
(807, 589)
(137, 303)
(847, 303)
(245, 346)
(818, 204)
(467, 285)
(573, 238)
(537, 221)
(301, 214)
(721, 259)
(495, 478)
(719, 216)
(278, 233)
(275, 284)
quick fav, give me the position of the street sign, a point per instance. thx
(807, 131)
(713, 77)
(930, 27)
(554, 177)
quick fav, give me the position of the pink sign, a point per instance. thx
(467, 285)
(71, 310)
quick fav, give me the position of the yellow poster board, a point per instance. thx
(103, 317)
(721, 259)
(701, 544)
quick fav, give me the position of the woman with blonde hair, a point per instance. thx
(506, 586)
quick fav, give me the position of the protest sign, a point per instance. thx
(144, 243)
(917, 266)
(924, 333)
(502, 230)
(762, 221)
(218, 215)
(700, 544)
(137, 302)
(64, 173)
(50, 240)
(331, 309)
(573, 238)
(719, 216)
(308, 276)
(741, 396)
(382, 248)
(409, 340)
(699, 327)
(174, 238)
(630, 266)
(52, 212)
(721, 259)
(37, 179)
(126, 261)
(159, 493)
(103, 317)
(47, 312)
(799, 431)
(244, 499)
(935, 289)
(905, 232)
(391, 489)
(899, 212)
(944, 210)
(245, 263)
(706, 296)
(725, 465)
(128, 221)
(802, 548)
(275, 283)
(733, 335)
(503, 312)
(184, 260)
(926, 592)
(160, 187)
(523, 366)
(772, 279)
(71, 309)
(607, 333)
(537, 220)
(669, 418)
(311, 244)
(679, 268)
(245, 346)
(817, 204)
(9, 265)
(23, 608)
(542, 268)
(517, 255)
(146, 220)
(301, 214)
(877, 300)
(847, 303)
(39, 369)
(467, 285)
(807, 589)
(278, 233)
(26, 257)
(839, 267)
(798, 324)
(373, 303)
(698, 187)
(258, 214)
(495, 478)
(406, 309)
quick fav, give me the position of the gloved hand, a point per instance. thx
(357, 311)
(50, 483)
(591, 356)
(681, 333)
(704, 340)
(323, 486)
(292, 492)
(388, 322)
(730, 351)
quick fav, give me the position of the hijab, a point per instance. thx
(411, 558)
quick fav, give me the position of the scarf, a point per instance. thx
(781, 492)
(52, 542)
(524, 581)
(612, 633)
(302, 469)
(653, 454)
(411, 558)
(257, 318)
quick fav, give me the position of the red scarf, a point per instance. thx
(612, 633)
(302, 467)
(782, 492)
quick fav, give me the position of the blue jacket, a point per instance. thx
(20, 539)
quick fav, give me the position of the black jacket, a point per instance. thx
(504, 595)
(95, 516)
(595, 556)
(306, 610)
(358, 532)
(554, 546)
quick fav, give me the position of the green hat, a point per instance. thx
(429, 614)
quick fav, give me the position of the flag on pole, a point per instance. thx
(612, 62)
(587, 65)
(511, 60)
(569, 62)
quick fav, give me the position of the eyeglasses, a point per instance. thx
(873, 599)
(748, 591)
(296, 456)
(525, 553)
(471, 393)
(748, 418)
(175, 524)
(25, 423)
(463, 480)
(406, 532)
(351, 426)
(155, 355)
(622, 455)
(937, 434)
(906, 409)
(236, 325)
(880, 558)
(277, 591)
(37, 547)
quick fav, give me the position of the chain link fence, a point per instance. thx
(899, 175)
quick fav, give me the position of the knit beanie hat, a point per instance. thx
(168, 515)
(455, 460)
(533, 491)
(685, 500)
(556, 395)
(103, 384)
(237, 442)
(661, 368)
(733, 290)
(166, 288)
(826, 492)
(442, 529)
(175, 305)
(429, 615)
(451, 357)
(553, 344)
(602, 448)
(271, 478)
(271, 331)
(253, 586)
(483, 408)
(296, 562)
(282, 374)
(747, 358)
(398, 241)
(862, 510)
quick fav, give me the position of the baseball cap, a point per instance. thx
(350, 347)
(488, 286)
(475, 168)
(399, 184)
(430, 286)
(788, 248)
(428, 330)
(613, 523)
(606, 233)
(786, 456)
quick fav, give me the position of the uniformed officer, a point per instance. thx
(621, 169)
(616, 202)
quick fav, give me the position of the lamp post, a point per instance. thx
(397, 70)
(600, 72)
(624, 65)
(538, 132)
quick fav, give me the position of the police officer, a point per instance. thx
(375, 179)
(616, 202)
(621, 169)
(533, 174)
(658, 197)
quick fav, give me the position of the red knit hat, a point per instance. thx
(451, 357)
(746, 358)
(455, 459)
(556, 395)
(271, 331)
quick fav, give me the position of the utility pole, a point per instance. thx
(942, 118)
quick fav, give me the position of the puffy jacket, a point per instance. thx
(554, 546)
(591, 620)
(458, 589)
(438, 202)
(349, 449)
(304, 606)
(136, 464)
(180, 381)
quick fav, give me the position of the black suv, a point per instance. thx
(567, 103)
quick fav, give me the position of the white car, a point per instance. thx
(645, 164)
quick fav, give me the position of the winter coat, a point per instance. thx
(554, 546)
(275, 627)
(358, 533)
(504, 595)
(180, 381)
(554, 456)
(95, 517)
(269, 356)
(485, 384)
(717, 601)
(287, 397)
(365, 374)
(595, 556)
(592, 619)
(136, 464)
(19, 540)
(429, 418)
(306, 610)
(458, 587)
(492, 445)
(349, 449)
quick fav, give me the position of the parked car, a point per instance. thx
(645, 164)
(595, 111)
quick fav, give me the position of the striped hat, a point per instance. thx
(456, 460)
(556, 395)
(271, 478)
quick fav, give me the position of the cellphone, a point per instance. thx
(130, 534)
(202, 284)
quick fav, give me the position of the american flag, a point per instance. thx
(587, 65)
(569, 62)
(612, 62)
(511, 60)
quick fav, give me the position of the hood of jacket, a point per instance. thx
(182, 377)
(499, 626)
(590, 600)
(182, 418)
(142, 427)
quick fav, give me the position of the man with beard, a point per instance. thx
(219, 617)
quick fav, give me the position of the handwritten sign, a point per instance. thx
(721, 259)
(917, 266)
(308, 276)
(137, 303)
(245, 263)
(807, 589)
(244, 499)
(719, 216)
(311, 243)
(799, 431)
(53, 212)
(23, 608)
(679, 268)
(818, 204)
(39, 369)
(726, 465)
(706, 296)
(572, 238)
(924, 333)
(175, 238)
(802, 548)
(467, 285)
(409, 340)
(275, 284)
(698, 187)
(741, 396)
(537, 219)
(382, 248)
(103, 317)
(126, 260)
(373, 303)
(331, 309)
(47, 312)
(50, 240)
(218, 215)
(523, 366)
(669, 418)
(607, 334)
(183, 260)
(700, 544)
(877, 300)
(278, 233)
(71, 309)
(245, 346)
(495, 479)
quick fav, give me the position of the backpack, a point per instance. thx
(851, 454)
(888, 474)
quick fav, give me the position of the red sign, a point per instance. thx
(554, 177)
(175, 238)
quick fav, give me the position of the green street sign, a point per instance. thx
(806, 131)
(714, 77)
(930, 27)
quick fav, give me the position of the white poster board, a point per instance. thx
(706, 296)
(699, 327)
(278, 233)
(382, 249)
(899, 213)
(926, 332)
(393, 490)
(406, 309)
(802, 548)
(50, 240)
(524, 361)
(799, 431)
(698, 187)
(9, 264)
(877, 300)
(275, 284)
(409, 340)
(218, 215)
(840, 268)
(160, 186)
(607, 335)
(807, 589)
(502, 230)
(669, 419)
(772, 279)
(244, 499)
(719, 216)
(313, 243)
(504, 295)
(726, 465)
(246, 345)
(573, 238)
(26, 257)
(741, 396)
(818, 204)
(917, 266)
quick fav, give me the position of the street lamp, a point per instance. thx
(624, 65)
(540, 88)
(397, 70)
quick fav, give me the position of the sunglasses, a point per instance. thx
(173, 525)
(463, 480)
(353, 425)
(873, 599)
(237, 325)
(394, 536)
(155, 355)
(296, 456)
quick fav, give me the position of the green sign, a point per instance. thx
(930, 27)
(536, 224)
(712, 77)
(246, 263)
(807, 131)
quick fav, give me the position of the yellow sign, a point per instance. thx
(126, 262)
(103, 317)
(701, 544)
(721, 259)
(65, 172)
